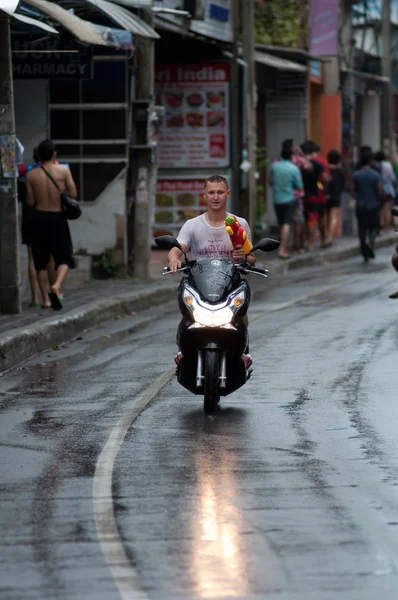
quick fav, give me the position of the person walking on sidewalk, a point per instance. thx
(367, 188)
(388, 179)
(285, 178)
(50, 231)
(314, 210)
(334, 190)
(298, 218)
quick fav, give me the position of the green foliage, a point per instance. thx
(107, 268)
(277, 22)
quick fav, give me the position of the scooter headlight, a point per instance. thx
(212, 318)
(188, 298)
(238, 301)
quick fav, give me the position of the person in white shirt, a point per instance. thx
(205, 236)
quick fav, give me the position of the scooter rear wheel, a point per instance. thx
(211, 381)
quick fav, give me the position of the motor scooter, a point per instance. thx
(213, 297)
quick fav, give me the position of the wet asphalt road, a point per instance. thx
(289, 492)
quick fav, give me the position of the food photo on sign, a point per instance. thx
(195, 133)
(177, 201)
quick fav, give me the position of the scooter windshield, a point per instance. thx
(214, 279)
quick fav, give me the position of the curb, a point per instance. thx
(24, 342)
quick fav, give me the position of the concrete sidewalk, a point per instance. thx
(36, 330)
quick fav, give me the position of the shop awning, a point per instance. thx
(33, 24)
(282, 64)
(136, 3)
(368, 76)
(121, 17)
(82, 30)
(166, 25)
(8, 6)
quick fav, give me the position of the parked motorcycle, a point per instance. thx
(213, 297)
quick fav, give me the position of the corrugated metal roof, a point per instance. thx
(125, 19)
(34, 22)
(278, 63)
(78, 27)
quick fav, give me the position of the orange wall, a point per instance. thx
(315, 98)
(331, 123)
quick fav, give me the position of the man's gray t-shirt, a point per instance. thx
(205, 241)
(366, 185)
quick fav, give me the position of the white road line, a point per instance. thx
(123, 572)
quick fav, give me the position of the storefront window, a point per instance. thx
(90, 129)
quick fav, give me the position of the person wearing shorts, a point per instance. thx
(50, 229)
(285, 178)
(334, 191)
(314, 208)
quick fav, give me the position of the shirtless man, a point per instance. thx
(51, 235)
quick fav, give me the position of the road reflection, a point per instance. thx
(218, 557)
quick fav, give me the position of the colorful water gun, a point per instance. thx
(237, 234)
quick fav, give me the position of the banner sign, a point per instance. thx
(324, 27)
(51, 58)
(195, 131)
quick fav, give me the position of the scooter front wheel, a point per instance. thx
(211, 381)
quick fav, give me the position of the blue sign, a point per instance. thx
(315, 68)
(219, 13)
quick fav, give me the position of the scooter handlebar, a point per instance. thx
(166, 270)
(245, 269)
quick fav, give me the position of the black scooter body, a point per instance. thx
(212, 336)
(215, 280)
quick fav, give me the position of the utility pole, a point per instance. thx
(235, 116)
(142, 167)
(303, 20)
(10, 279)
(386, 124)
(247, 8)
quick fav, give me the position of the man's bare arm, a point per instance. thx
(174, 258)
(70, 184)
(30, 199)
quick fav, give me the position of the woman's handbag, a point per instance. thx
(70, 206)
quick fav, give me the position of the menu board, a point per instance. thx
(195, 131)
(176, 202)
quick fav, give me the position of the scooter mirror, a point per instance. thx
(266, 245)
(167, 242)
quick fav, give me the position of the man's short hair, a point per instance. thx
(286, 153)
(379, 156)
(46, 150)
(366, 158)
(363, 149)
(334, 157)
(216, 179)
(287, 143)
(309, 147)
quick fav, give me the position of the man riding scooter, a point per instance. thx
(206, 236)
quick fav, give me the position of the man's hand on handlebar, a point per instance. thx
(174, 264)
